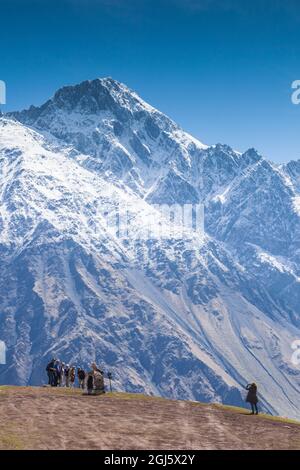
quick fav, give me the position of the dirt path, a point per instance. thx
(42, 418)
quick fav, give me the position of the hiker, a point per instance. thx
(95, 368)
(98, 379)
(57, 372)
(62, 374)
(72, 376)
(252, 397)
(81, 377)
(90, 383)
(67, 375)
(51, 372)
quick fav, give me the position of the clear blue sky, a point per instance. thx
(221, 68)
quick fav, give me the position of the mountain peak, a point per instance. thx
(90, 97)
(251, 156)
(97, 116)
(100, 94)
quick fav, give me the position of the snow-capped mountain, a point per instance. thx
(183, 315)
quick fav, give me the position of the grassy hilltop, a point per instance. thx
(58, 418)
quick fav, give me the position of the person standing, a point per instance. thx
(252, 397)
(67, 375)
(98, 376)
(72, 376)
(90, 382)
(50, 372)
(57, 368)
(62, 374)
(81, 377)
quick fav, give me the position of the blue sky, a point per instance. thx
(221, 68)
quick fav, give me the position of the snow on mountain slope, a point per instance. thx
(292, 170)
(64, 284)
(121, 134)
(248, 200)
(180, 316)
(136, 146)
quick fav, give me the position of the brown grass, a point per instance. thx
(54, 418)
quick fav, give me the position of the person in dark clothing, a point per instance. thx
(67, 375)
(90, 383)
(81, 377)
(48, 370)
(252, 397)
(51, 372)
(57, 372)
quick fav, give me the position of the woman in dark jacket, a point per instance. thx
(252, 397)
(90, 383)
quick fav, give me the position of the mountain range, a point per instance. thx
(185, 315)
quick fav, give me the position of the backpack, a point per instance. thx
(98, 381)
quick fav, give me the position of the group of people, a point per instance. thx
(61, 374)
(64, 375)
